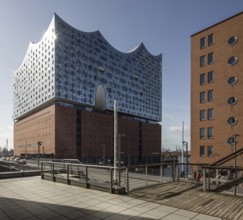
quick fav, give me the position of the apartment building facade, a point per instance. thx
(217, 91)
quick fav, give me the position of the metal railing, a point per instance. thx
(223, 179)
(102, 177)
(89, 176)
(10, 166)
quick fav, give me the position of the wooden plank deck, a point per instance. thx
(188, 196)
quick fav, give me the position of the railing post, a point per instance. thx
(111, 171)
(42, 172)
(173, 172)
(87, 177)
(161, 173)
(146, 175)
(192, 174)
(208, 171)
(204, 181)
(127, 178)
(68, 182)
(53, 172)
(119, 177)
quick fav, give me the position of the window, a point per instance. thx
(210, 58)
(210, 132)
(210, 39)
(202, 97)
(210, 114)
(202, 79)
(202, 151)
(202, 132)
(231, 140)
(210, 95)
(232, 40)
(210, 151)
(232, 100)
(232, 121)
(210, 76)
(232, 61)
(202, 60)
(203, 42)
(232, 80)
(202, 115)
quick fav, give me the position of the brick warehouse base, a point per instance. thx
(67, 132)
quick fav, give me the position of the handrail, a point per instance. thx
(228, 157)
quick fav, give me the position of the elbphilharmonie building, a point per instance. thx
(70, 74)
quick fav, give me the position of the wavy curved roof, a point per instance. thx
(139, 47)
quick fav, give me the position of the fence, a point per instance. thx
(10, 166)
(89, 176)
(223, 179)
(108, 178)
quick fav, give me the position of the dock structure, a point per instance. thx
(191, 197)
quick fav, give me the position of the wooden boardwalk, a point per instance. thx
(187, 196)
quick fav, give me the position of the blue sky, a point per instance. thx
(165, 26)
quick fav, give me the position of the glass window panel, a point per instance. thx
(203, 42)
(202, 97)
(202, 132)
(210, 39)
(202, 79)
(210, 58)
(202, 60)
(232, 40)
(210, 151)
(202, 151)
(202, 115)
(232, 80)
(232, 120)
(210, 132)
(232, 61)
(232, 100)
(210, 114)
(210, 76)
(210, 95)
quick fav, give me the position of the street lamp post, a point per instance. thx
(185, 143)
(233, 141)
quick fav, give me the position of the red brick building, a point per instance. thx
(67, 132)
(217, 91)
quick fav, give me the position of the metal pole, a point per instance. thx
(111, 172)
(119, 159)
(235, 162)
(115, 138)
(146, 175)
(182, 150)
(68, 182)
(187, 160)
(127, 178)
(87, 177)
(204, 181)
(161, 173)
